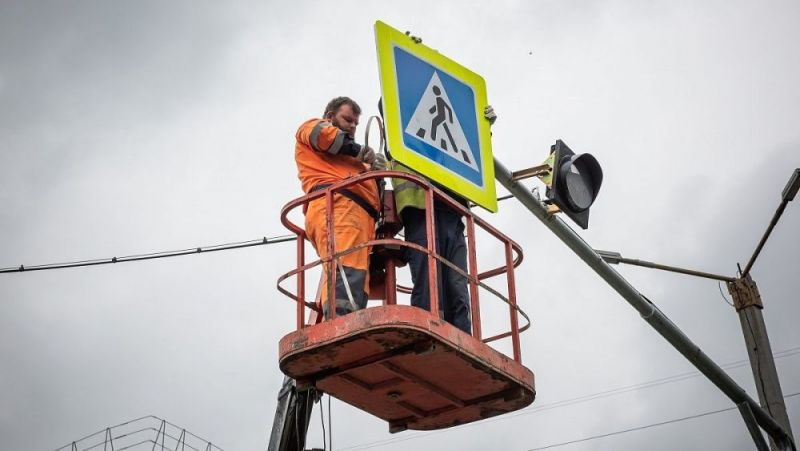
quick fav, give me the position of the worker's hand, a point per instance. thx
(379, 164)
(366, 155)
(489, 114)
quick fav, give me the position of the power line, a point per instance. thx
(139, 257)
(653, 383)
(647, 426)
(595, 437)
(571, 401)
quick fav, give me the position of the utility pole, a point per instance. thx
(747, 301)
(748, 305)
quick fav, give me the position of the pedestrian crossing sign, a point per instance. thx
(433, 110)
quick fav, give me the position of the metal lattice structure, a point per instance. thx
(148, 432)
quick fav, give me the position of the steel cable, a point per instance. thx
(150, 256)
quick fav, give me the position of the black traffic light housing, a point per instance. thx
(574, 182)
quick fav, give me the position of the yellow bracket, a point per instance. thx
(544, 171)
(547, 179)
(552, 209)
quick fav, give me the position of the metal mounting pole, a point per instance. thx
(646, 309)
(615, 258)
(789, 192)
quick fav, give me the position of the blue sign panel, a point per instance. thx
(438, 116)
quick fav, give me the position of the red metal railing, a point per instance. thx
(513, 258)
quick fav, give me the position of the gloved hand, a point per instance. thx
(366, 155)
(489, 114)
(379, 164)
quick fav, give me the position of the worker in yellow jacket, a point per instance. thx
(326, 153)
(450, 244)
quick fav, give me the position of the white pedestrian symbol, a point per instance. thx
(435, 123)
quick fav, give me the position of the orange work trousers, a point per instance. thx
(351, 227)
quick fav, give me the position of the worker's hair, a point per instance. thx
(336, 103)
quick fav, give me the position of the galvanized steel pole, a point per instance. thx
(646, 309)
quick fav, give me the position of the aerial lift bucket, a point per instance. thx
(402, 363)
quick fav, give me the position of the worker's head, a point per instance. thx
(343, 112)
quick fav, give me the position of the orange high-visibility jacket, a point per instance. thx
(319, 161)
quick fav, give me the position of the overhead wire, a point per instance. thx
(571, 401)
(153, 255)
(647, 426)
(719, 285)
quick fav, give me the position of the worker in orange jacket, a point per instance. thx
(326, 153)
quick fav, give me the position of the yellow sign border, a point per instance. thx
(386, 38)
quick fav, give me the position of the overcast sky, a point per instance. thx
(131, 127)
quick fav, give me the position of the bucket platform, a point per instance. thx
(407, 367)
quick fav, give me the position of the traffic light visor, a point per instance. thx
(575, 182)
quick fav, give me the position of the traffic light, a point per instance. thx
(573, 182)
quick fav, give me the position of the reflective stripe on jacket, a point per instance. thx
(319, 161)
